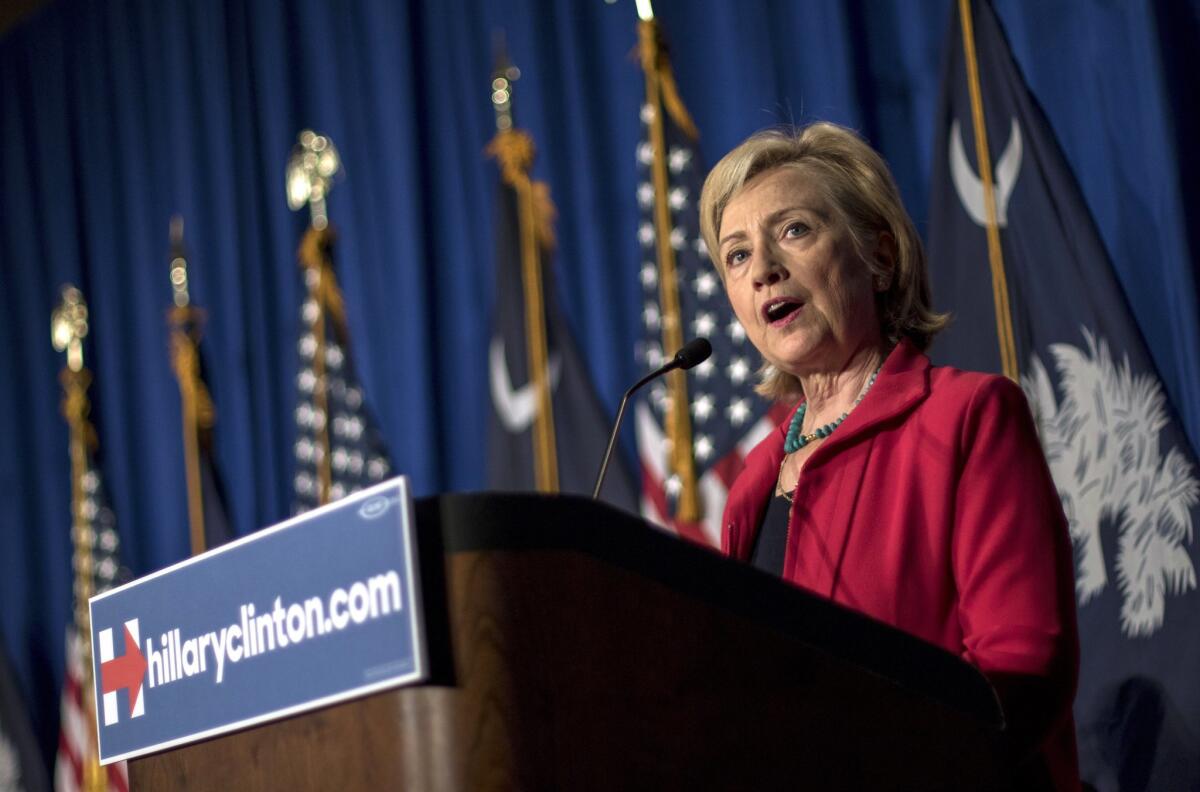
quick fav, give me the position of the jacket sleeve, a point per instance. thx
(1013, 563)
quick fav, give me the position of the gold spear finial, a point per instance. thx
(69, 326)
(310, 173)
(178, 271)
(503, 77)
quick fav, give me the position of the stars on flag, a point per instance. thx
(705, 285)
(357, 456)
(306, 380)
(679, 159)
(649, 275)
(645, 195)
(738, 411)
(738, 370)
(673, 486)
(704, 323)
(651, 317)
(100, 532)
(678, 238)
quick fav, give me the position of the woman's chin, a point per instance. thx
(797, 353)
(796, 359)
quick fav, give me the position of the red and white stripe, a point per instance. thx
(77, 731)
(714, 483)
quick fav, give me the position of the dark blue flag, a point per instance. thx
(199, 421)
(218, 527)
(577, 426)
(1123, 466)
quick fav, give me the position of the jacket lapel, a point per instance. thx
(902, 384)
(760, 478)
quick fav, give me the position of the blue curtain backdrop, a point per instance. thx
(115, 115)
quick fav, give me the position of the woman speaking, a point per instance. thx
(915, 494)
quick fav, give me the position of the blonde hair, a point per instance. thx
(860, 189)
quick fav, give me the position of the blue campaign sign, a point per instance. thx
(310, 612)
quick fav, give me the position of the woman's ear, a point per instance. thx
(884, 257)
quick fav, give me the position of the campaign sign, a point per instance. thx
(313, 611)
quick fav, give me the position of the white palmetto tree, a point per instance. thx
(1103, 446)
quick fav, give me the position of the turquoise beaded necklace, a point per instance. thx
(794, 440)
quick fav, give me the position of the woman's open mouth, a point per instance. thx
(779, 311)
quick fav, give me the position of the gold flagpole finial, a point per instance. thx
(310, 173)
(69, 326)
(178, 271)
(503, 77)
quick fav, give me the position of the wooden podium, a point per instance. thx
(573, 647)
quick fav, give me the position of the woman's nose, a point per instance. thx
(768, 269)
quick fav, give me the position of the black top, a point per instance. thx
(772, 536)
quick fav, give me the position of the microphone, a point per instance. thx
(692, 354)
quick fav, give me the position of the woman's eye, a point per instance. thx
(795, 230)
(735, 257)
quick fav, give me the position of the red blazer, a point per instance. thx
(931, 508)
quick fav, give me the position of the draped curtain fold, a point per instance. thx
(116, 115)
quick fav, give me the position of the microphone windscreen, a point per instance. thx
(693, 353)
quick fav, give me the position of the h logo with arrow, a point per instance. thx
(125, 672)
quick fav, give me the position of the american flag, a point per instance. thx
(358, 457)
(727, 417)
(97, 536)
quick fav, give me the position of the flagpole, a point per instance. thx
(660, 95)
(1004, 327)
(514, 150)
(68, 328)
(315, 265)
(310, 172)
(186, 323)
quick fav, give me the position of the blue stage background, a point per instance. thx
(116, 115)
